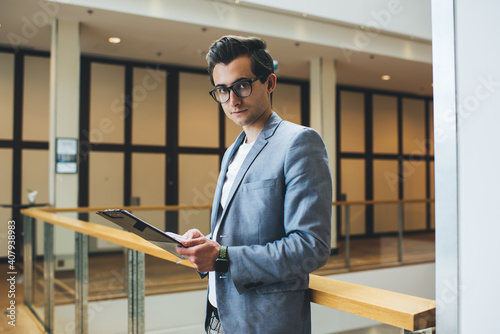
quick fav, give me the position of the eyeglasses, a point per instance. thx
(242, 88)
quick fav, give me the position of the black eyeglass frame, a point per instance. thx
(251, 81)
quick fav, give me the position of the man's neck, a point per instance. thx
(252, 131)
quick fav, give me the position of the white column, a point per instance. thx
(467, 118)
(323, 80)
(64, 122)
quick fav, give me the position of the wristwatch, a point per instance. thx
(222, 262)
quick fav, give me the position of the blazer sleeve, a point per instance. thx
(307, 221)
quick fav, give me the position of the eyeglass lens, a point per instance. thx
(241, 89)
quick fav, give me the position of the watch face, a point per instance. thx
(221, 265)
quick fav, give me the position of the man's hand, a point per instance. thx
(201, 251)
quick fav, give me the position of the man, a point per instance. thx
(272, 205)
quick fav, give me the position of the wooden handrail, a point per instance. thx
(114, 235)
(130, 208)
(209, 207)
(395, 309)
(383, 201)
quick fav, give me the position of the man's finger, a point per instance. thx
(193, 242)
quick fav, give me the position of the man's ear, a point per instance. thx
(271, 82)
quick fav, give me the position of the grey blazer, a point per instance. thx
(276, 225)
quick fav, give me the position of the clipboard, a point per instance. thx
(165, 240)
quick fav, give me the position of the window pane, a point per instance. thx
(6, 95)
(286, 102)
(385, 124)
(198, 112)
(352, 122)
(353, 186)
(148, 184)
(35, 175)
(149, 107)
(385, 187)
(106, 179)
(414, 188)
(232, 131)
(413, 126)
(197, 181)
(107, 103)
(36, 98)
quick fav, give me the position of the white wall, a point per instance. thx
(478, 98)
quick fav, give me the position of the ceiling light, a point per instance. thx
(304, 14)
(385, 77)
(114, 40)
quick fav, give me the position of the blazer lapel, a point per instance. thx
(258, 146)
(220, 182)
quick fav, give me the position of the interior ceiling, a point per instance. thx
(160, 41)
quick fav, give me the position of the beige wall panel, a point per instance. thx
(198, 112)
(35, 175)
(148, 183)
(36, 98)
(286, 102)
(414, 188)
(385, 187)
(197, 181)
(385, 124)
(353, 185)
(107, 103)
(5, 196)
(6, 95)
(352, 122)
(105, 181)
(414, 126)
(149, 107)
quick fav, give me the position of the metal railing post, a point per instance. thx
(347, 218)
(81, 283)
(28, 258)
(48, 276)
(136, 291)
(401, 223)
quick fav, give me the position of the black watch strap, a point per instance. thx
(222, 262)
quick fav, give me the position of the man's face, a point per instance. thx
(244, 111)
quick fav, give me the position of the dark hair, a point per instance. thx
(228, 48)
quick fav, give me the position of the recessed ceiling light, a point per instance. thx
(385, 77)
(114, 40)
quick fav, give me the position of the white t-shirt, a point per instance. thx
(232, 171)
